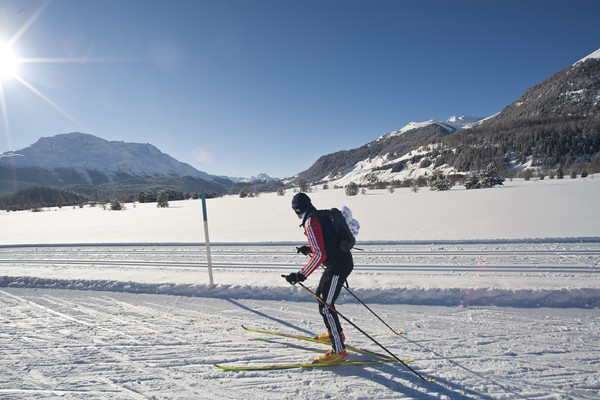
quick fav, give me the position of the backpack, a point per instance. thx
(340, 221)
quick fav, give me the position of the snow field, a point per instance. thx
(519, 210)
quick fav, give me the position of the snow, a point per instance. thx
(497, 291)
(595, 54)
(451, 124)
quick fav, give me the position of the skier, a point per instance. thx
(324, 249)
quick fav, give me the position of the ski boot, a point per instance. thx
(332, 358)
(325, 337)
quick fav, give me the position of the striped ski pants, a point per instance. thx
(328, 290)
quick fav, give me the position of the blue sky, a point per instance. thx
(242, 87)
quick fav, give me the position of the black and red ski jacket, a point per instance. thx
(325, 246)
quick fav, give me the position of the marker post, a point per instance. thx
(210, 274)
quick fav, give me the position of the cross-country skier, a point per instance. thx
(324, 249)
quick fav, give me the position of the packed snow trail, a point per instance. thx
(487, 273)
(84, 344)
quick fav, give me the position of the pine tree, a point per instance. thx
(485, 178)
(115, 205)
(490, 176)
(162, 200)
(439, 181)
(351, 189)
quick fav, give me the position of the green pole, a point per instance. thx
(210, 274)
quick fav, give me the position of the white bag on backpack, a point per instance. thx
(352, 223)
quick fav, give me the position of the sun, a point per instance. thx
(8, 62)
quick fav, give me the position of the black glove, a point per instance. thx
(304, 250)
(295, 277)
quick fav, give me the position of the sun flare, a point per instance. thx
(8, 62)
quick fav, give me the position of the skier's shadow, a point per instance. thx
(279, 321)
(395, 379)
(433, 390)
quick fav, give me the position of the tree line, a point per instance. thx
(35, 198)
(38, 197)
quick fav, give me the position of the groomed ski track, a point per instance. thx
(72, 344)
(458, 273)
(487, 320)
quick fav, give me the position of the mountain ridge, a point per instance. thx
(82, 162)
(89, 155)
(452, 124)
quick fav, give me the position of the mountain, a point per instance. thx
(80, 160)
(452, 124)
(383, 150)
(555, 124)
(594, 55)
(96, 160)
(260, 177)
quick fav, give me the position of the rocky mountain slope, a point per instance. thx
(554, 124)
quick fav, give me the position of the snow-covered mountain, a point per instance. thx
(79, 158)
(594, 55)
(356, 165)
(83, 159)
(260, 177)
(96, 159)
(371, 168)
(554, 123)
(452, 124)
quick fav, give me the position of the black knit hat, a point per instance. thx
(301, 203)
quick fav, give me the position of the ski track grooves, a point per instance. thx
(75, 344)
(538, 257)
(108, 345)
(467, 267)
(126, 337)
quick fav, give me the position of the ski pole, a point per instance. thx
(364, 333)
(399, 333)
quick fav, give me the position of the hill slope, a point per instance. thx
(553, 124)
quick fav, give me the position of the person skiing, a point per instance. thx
(324, 249)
